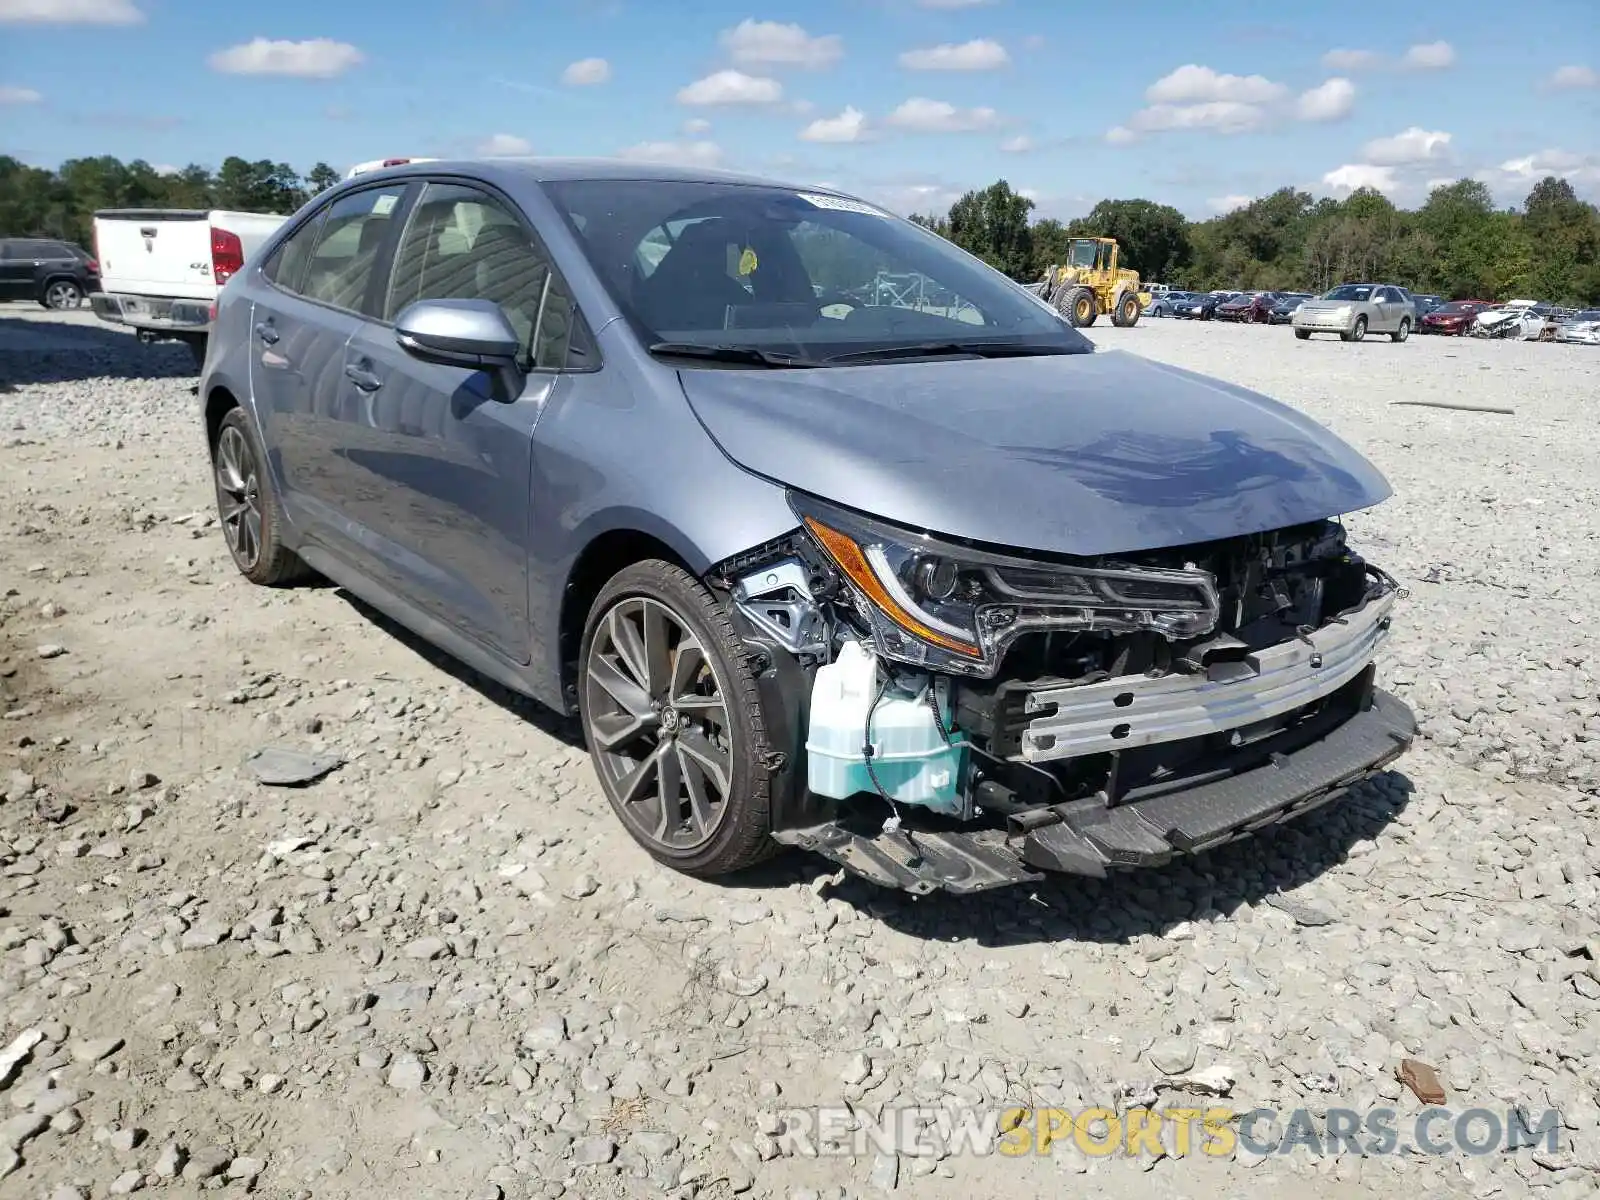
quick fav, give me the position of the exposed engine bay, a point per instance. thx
(955, 692)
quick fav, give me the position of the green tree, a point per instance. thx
(320, 178)
(993, 224)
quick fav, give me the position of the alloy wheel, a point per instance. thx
(62, 295)
(238, 497)
(657, 725)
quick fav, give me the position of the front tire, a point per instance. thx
(1079, 307)
(1303, 334)
(247, 505)
(1401, 334)
(1357, 331)
(673, 722)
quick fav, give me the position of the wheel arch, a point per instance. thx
(219, 402)
(635, 538)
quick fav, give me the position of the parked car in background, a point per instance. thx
(161, 268)
(1453, 318)
(1164, 302)
(1249, 306)
(1352, 310)
(1425, 304)
(1199, 306)
(1288, 304)
(1581, 327)
(707, 511)
(52, 272)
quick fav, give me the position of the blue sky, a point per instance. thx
(1199, 105)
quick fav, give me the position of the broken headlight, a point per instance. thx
(952, 608)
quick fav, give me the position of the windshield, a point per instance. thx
(1460, 306)
(1588, 314)
(803, 274)
(1350, 291)
(1081, 254)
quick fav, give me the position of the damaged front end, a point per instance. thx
(949, 717)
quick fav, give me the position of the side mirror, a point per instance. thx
(462, 333)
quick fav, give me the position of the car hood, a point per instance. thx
(1074, 454)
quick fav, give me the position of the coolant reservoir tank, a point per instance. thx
(913, 762)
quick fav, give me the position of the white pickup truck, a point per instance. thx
(161, 268)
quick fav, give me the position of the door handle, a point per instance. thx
(267, 333)
(362, 378)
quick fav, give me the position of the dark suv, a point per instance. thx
(56, 274)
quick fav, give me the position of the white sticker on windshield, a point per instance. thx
(840, 204)
(384, 204)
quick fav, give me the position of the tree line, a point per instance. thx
(1457, 244)
(35, 202)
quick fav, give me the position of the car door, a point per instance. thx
(1386, 309)
(446, 457)
(20, 260)
(318, 285)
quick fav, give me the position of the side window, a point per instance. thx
(463, 244)
(287, 265)
(340, 268)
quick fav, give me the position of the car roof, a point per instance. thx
(561, 170)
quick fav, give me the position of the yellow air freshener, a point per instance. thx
(747, 261)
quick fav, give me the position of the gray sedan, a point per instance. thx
(828, 534)
(1354, 310)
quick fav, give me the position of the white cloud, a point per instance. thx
(1414, 145)
(505, 143)
(678, 154)
(1021, 144)
(848, 126)
(1223, 116)
(586, 72)
(11, 94)
(695, 126)
(1121, 135)
(1512, 178)
(1351, 176)
(318, 58)
(921, 115)
(1226, 204)
(731, 88)
(69, 12)
(1352, 60)
(1575, 77)
(1192, 84)
(772, 43)
(1430, 56)
(1330, 101)
(981, 54)
(166, 169)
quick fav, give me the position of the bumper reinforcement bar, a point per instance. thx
(1142, 833)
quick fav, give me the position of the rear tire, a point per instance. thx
(645, 624)
(1303, 334)
(61, 294)
(1126, 313)
(197, 347)
(1401, 334)
(247, 505)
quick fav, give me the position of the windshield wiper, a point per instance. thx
(731, 354)
(942, 349)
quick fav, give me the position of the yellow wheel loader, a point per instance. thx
(1089, 283)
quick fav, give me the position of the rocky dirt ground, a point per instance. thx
(444, 971)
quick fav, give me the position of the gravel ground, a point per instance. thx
(444, 971)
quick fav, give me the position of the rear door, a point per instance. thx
(317, 285)
(445, 453)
